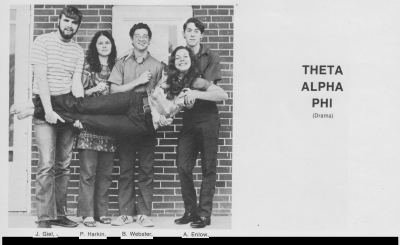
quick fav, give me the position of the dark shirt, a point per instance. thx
(204, 110)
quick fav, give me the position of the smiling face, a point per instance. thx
(182, 60)
(192, 34)
(140, 39)
(103, 46)
(67, 27)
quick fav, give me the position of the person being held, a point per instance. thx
(57, 64)
(199, 133)
(96, 148)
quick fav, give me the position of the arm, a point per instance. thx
(77, 87)
(44, 93)
(213, 93)
(144, 78)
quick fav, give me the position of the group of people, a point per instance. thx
(109, 100)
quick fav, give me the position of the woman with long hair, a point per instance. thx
(96, 148)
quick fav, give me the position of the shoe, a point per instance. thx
(144, 220)
(201, 223)
(187, 218)
(122, 220)
(43, 224)
(64, 222)
(89, 221)
(103, 220)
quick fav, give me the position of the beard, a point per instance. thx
(64, 35)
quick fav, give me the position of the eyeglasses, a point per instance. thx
(144, 37)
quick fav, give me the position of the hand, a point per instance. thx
(180, 99)
(190, 96)
(101, 87)
(189, 105)
(144, 77)
(164, 121)
(78, 124)
(52, 117)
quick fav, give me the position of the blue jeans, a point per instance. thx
(54, 144)
(145, 146)
(94, 182)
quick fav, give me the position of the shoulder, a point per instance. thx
(76, 46)
(44, 38)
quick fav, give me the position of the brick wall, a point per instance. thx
(167, 199)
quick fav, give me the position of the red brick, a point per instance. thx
(226, 45)
(211, 32)
(54, 6)
(226, 59)
(164, 177)
(225, 6)
(168, 141)
(212, 45)
(80, 7)
(196, 6)
(204, 18)
(173, 199)
(225, 191)
(170, 184)
(53, 18)
(224, 66)
(106, 19)
(220, 184)
(231, 39)
(171, 170)
(43, 25)
(91, 19)
(225, 128)
(199, 12)
(41, 19)
(218, 12)
(105, 26)
(39, 6)
(84, 39)
(231, 12)
(88, 26)
(83, 45)
(225, 32)
(162, 205)
(223, 170)
(105, 12)
(222, 19)
(163, 191)
(164, 163)
(218, 39)
(228, 142)
(170, 156)
(218, 26)
(223, 108)
(44, 12)
(89, 12)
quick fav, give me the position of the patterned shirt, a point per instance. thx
(94, 139)
(62, 59)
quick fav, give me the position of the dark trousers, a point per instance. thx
(145, 146)
(94, 182)
(120, 114)
(201, 137)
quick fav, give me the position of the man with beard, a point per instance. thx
(57, 64)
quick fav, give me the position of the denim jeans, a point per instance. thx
(94, 182)
(119, 114)
(197, 137)
(145, 146)
(54, 144)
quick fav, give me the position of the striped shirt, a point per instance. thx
(62, 60)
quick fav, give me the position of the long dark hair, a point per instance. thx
(175, 84)
(92, 56)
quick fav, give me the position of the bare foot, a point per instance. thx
(25, 113)
(19, 107)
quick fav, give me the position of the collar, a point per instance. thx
(134, 57)
(203, 50)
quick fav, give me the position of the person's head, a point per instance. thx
(140, 36)
(193, 30)
(102, 44)
(69, 21)
(183, 69)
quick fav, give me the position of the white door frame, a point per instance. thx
(19, 181)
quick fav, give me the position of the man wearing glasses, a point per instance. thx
(140, 72)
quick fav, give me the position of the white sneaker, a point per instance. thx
(122, 220)
(144, 220)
